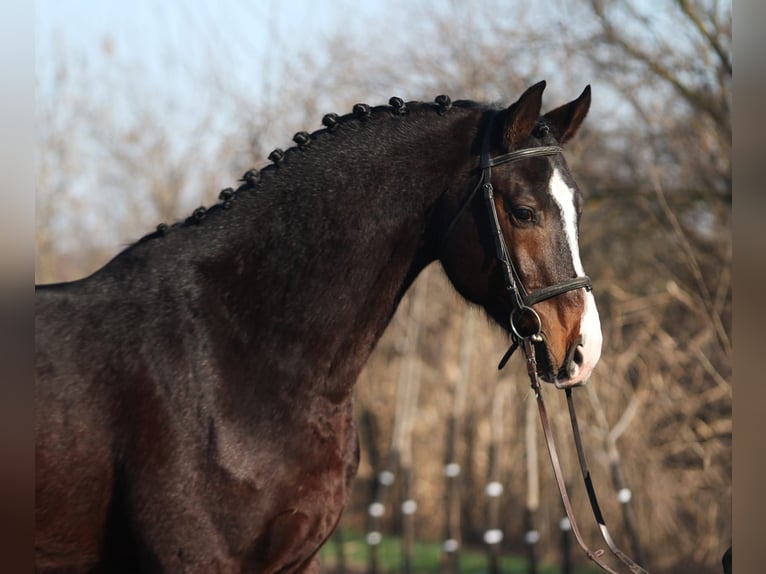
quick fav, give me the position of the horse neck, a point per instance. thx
(310, 269)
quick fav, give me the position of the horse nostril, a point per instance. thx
(575, 362)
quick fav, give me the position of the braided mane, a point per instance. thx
(361, 114)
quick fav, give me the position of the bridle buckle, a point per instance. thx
(526, 323)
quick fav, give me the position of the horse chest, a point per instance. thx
(289, 447)
(281, 495)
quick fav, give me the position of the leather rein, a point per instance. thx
(526, 330)
(594, 555)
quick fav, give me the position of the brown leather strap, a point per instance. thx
(624, 558)
(594, 555)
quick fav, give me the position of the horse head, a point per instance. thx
(516, 253)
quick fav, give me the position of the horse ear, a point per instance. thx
(521, 117)
(566, 120)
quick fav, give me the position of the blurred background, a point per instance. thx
(145, 110)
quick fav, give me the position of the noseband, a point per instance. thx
(524, 320)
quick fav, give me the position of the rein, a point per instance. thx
(594, 555)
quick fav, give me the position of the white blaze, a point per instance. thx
(590, 324)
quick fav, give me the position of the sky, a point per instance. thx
(171, 42)
(171, 45)
(153, 27)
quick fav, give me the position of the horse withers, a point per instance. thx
(194, 395)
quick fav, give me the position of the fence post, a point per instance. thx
(340, 554)
(451, 544)
(452, 471)
(532, 500)
(406, 407)
(376, 509)
(566, 545)
(493, 536)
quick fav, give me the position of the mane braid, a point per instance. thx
(361, 115)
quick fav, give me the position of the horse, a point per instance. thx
(194, 395)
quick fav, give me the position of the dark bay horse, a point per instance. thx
(194, 395)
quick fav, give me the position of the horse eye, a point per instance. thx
(523, 214)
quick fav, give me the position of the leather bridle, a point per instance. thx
(525, 330)
(524, 320)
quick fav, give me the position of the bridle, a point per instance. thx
(524, 320)
(525, 330)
